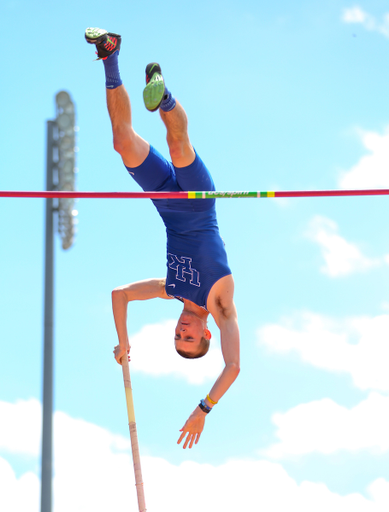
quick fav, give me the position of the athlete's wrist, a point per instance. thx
(208, 403)
(206, 409)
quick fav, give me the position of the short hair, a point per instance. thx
(203, 349)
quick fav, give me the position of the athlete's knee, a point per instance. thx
(176, 149)
(120, 145)
(123, 141)
(179, 148)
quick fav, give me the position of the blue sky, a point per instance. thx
(282, 96)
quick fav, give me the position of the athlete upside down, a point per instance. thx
(197, 269)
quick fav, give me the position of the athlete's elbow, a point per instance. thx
(234, 369)
(118, 295)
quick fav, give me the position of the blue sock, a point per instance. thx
(112, 73)
(168, 102)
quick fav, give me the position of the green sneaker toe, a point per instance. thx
(153, 92)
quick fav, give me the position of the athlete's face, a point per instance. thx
(189, 331)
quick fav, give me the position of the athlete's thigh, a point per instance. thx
(195, 176)
(155, 173)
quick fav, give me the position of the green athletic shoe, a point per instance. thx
(154, 91)
(106, 43)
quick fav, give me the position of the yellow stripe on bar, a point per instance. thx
(271, 194)
(191, 195)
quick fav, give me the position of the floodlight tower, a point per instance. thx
(60, 175)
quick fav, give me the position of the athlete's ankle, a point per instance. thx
(168, 102)
(112, 73)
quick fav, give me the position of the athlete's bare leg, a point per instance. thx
(180, 148)
(131, 147)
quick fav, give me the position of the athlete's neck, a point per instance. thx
(195, 309)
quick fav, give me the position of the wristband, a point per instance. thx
(212, 401)
(204, 407)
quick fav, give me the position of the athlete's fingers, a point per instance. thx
(181, 437)
(193, 437)
(187, 441)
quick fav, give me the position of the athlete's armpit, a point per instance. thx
(220, 301)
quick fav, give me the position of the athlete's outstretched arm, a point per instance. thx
(230, 343)
(229, 332)
(223, 310)
(121, 296)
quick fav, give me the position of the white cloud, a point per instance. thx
(372, 170)
(379, 490)
(250, 485)
(18, 494)
(93, 471)
(153, 352)
(357, 346)
(14, 436)
(326, 427)
(92, 467)
(235, 485)
(341, 257)
(357, 15)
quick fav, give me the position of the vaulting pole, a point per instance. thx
(133, 434)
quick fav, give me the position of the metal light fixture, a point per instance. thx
(66, 167)
(60, 175)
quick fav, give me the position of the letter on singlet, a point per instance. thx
(183, 266)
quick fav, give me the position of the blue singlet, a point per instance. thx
(196, 257)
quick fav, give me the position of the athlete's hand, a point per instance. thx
(120, 351)
(193, 428)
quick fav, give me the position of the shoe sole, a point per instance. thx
(95, 35)
(153, 92)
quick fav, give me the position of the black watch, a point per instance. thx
(204, 407)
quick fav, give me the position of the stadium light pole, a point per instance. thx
(60, 175)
